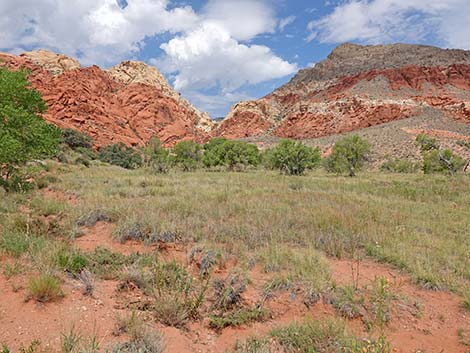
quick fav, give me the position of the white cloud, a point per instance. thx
(378, 21)
(283, 23)
(99, 29)
(210, 48)
(209, 57)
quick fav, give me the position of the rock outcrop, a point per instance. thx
(128, 103)
(358, 87)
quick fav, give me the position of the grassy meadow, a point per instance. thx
(290, 224)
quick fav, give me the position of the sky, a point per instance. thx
(218, 52)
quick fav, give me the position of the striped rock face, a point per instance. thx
(129, 103)
(358, 87)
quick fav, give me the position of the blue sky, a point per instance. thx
(217, 52)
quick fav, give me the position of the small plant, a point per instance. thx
(14, 243)
(71, 262)
(177, 296)
(12, 270)
(90, 219)
(238, 318)
(253, 345)
(45, 288)
(426, 143)
(348, 302)
(70, 341)
(292, 157)
(348, 156)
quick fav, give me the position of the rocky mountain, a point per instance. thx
(128, 103)
(358, 87)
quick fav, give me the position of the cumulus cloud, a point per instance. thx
(379, 21)
(101, 31)
(208, 57)
(210, 48)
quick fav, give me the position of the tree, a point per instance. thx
(121, 155)
(24, 135)
(292, 157)
(156, 156)
(187, 155)
(231, 155)
(426, 143)
(348, 156)
(441, 161)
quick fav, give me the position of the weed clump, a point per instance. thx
(45, 288)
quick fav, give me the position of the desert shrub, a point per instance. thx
(292, 157)
(72, 262)
(238, 318)
(441, 161)
(177, 295)
(14, 243)
(324, 336)
(24, 135)
(231, 155)
(253, 345)
(121, 155)
(399, 166)
(426, 143)
(143, 339)
(348, 156)
(45, 288)
(75, 139)
(187, 155)
(156, 157)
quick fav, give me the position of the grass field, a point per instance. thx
(417, 223)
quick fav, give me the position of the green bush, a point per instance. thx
(292, 157)
(75, 139)
(399, 166)
(156, 156)
(187, 155)
(348, 156)
(24, 135)
(121, 155)
(441, 161)
(231, 155)
(426, 143)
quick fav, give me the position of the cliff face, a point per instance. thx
(129, 103)
(358, 87)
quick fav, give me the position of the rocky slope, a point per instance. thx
(357, 87)
(128, 103)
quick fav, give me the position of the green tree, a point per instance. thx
(156, 156)
(293, 157)
(24, 135)
(231, 155)
(121, 155)
(441, 161)
(348, 156)
(187, 155)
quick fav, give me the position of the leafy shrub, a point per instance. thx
(72, 262)
(238, 318)
(24, 135)
(348, 156)
(426, 143)
(399, 166)
(156, 156)
(121, 155)
(75, 139)
(45, 288)
(187, 155)
(441, 161)
(293, 157)
(231, 155)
